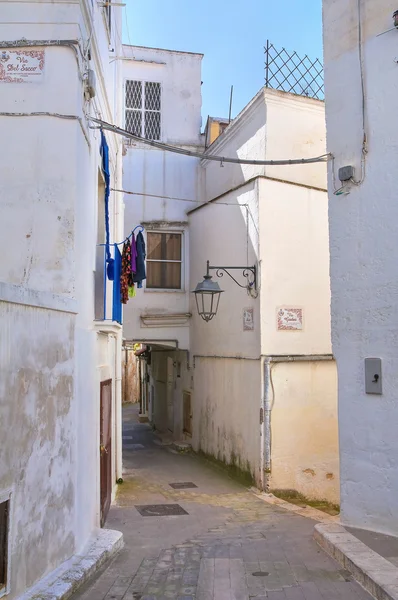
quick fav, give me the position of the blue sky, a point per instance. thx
(231, 34)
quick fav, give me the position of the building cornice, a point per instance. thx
(163, 50)
(18, 294)
(108, 327)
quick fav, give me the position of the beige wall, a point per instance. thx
(295, 129)
(305, 452)
(294, 254)
(226, 409)
(226, 391)
(274, 125)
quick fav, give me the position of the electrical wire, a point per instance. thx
(50, 114)
(342, 190)
(201, 155)
(72, 44)
(200, 202)
(363, 98)
(127, 25)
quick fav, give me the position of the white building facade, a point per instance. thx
(360, 86)
(227, 387)
(162, 101)
(59, 358)
(264, 379)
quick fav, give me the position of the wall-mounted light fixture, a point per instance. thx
(395, 21)
(208, 292)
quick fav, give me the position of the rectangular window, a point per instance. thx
(143, 108)
(164, 261)
(4, 525)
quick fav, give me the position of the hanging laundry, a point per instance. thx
(126, 279)
(116, 306)
(133, 254)
(140, 274)
(110, 267)
(132, 291)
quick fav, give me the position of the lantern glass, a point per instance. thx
(207, 295)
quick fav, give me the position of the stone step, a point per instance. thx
(374, 573)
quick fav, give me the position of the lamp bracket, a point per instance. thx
(249, 273)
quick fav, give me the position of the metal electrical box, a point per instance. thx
(373, 381)
(346, 173)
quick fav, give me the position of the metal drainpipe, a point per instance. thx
(119, 419)
(267, 422)
(262, 482)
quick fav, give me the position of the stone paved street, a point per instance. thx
(230, 546)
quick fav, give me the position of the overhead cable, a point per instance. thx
(160, 196)
(220, 159)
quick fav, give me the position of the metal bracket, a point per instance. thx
(250, 273)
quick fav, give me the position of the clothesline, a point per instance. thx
(140, 227)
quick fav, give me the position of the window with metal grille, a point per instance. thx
(4, 524)
(143, 109)
(164, 261)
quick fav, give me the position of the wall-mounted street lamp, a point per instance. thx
(208, 292)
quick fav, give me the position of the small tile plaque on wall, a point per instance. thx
(248, 319)
(22, 66)
(289, 319)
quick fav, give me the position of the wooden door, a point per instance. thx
(106, 448)
(187, 413)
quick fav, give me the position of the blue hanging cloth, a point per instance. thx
(117, 303)
(140, 273)
(110, 268)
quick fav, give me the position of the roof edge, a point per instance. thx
(163, 49)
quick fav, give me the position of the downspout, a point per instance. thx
(262, 402)
(140, 380)
(267, 422)
(118, 390)
(126, 394)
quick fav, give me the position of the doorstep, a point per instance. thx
(375, 573)
(63, 582)
(182, 446)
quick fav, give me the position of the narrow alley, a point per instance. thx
(191, 532)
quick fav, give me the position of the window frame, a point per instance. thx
(142, 110)
(181, 262)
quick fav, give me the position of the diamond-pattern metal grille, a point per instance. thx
(152, 95)
(134, 122)
(134, 94)
(143, 104)
(291, 73)
(152, 125)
